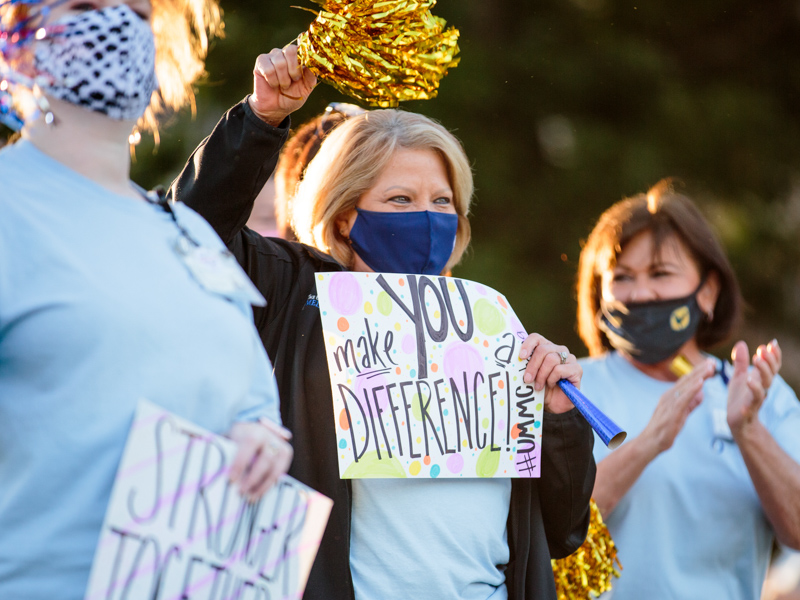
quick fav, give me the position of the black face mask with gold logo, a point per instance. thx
(650, 331)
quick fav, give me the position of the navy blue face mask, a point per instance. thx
(404, 242)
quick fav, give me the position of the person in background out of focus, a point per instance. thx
(108, 293)
(709, 475)
(272, 208)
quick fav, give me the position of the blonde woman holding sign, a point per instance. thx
(390, 191)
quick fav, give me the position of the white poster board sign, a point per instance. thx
(176, 529)
(426, 378)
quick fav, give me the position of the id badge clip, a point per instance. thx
(722, 430)
(217, 272)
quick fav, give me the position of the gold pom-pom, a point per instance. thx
(590, 568)
(380, 52)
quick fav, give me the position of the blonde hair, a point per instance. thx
(182, 30)
(349, 163)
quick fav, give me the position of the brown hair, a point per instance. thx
(295, 156)
(350, 161)
(663, 213)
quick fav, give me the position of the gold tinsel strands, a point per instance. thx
(590, 568)
(380, 52)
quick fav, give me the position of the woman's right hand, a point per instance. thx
(674, 406)
(281, 85)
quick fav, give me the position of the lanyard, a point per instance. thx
(158, 197)
(214, 269)
(721, 372)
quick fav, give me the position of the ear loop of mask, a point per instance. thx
(14, 43)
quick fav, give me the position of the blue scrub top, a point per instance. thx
(96, 312)
(692, 525)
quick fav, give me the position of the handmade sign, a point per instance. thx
(426, 378)
(177, 529)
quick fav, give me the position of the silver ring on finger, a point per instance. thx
(563, 356)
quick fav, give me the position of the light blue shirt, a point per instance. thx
(429, 539)
(96, 312)
(692, 525)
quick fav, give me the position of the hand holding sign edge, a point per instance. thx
(546, 368)
(262, 457)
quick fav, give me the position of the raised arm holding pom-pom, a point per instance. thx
(254, 131)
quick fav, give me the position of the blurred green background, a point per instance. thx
(566, 106)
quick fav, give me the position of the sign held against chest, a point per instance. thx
(426, 379)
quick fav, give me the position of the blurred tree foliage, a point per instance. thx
(564, 107)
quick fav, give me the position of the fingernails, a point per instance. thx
(539, 387)
(527, 378)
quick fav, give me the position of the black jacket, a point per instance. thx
(548, 517)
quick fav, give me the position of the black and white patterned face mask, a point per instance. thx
(103, 60)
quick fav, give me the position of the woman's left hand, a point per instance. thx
(748, 387)
(548, 363)
(263, 456)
